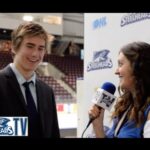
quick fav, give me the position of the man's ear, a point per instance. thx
(12, 50)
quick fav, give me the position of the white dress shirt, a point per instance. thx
(21, 80)
(146, 132)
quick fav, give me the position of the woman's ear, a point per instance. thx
(137, 67)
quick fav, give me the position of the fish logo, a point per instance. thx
(100, 60)
(3, 122)
(4, 128)
(101, 55)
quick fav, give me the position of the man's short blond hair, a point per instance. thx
(27, 29)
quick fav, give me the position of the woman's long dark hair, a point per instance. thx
(138, 53)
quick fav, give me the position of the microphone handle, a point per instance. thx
(90, 121)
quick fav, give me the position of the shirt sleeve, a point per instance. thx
(92, 134)
(146, 133)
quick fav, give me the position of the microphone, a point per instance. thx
(104, 98)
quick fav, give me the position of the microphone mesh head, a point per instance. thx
(109, 87)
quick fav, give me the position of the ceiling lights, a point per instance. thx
(57, 20)
(27, 18)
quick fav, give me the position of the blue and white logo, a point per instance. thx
(13, 126)
(99, 23)
(100, 61)
(133, 17)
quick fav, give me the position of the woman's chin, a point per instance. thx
(121, 86)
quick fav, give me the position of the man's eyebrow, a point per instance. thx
(30, 43)
(42, 46)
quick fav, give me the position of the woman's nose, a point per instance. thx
(117, 72)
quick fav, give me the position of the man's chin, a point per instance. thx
(32, 69)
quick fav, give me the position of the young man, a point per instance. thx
(29, 42)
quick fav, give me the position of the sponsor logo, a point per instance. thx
(99, 23)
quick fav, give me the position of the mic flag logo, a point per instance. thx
(107, 100)
(13, 126)
(104, 99)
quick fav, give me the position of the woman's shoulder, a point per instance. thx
(147, 111)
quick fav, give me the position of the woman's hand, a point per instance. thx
(97, 113)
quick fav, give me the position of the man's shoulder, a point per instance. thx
(5, 70)
(43, 84)
(3, 78)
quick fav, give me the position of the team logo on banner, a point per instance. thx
(100, 61)
(134, 17)
(13, 126)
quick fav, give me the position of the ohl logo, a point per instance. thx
(99, 23)
(13, 126)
